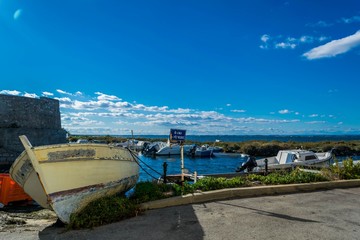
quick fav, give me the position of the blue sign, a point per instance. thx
(177, 135)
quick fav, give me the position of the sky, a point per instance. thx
(210, 67)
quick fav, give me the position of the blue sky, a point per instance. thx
(210, 67)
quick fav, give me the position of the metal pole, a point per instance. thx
(165, 169)
(132, 134)
(266, 166)
(182, 163)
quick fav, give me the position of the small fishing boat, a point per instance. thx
(66, 177)
(287, 159)
(204, 151)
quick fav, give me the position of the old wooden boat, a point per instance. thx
(66, 177)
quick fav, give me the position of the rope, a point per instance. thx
(137, 160)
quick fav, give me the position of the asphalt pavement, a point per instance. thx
(326, 214)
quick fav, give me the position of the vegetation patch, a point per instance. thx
(104, 211)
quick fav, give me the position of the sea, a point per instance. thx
(152, 168)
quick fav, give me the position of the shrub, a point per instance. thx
(349, 170)
(103, 211)
(149, 191)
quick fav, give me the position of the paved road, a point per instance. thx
(332, 214)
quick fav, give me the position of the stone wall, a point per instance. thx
(38, 119)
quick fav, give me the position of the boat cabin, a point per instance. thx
(289, 156)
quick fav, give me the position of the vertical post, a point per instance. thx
(182, 163)
(132, 135)
(165, 169)
(266, 166)
(195, 176)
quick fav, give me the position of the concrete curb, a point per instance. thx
(247, 192)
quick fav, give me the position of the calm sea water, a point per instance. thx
(200, 165)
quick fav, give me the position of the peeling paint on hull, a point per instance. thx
(66, 177)
(72, 201)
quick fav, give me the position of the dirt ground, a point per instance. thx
(24, 222)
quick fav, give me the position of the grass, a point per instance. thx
(115, 208)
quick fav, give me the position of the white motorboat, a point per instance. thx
(287, 159)
(173, 149)
(165, 149)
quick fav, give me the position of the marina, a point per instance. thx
(220, 164)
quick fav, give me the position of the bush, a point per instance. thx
(103, 211)
(349, 170)
(149, 191)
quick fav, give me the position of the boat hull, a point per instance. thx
(321, 160)
(65, 178)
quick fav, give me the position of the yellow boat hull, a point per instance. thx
(66, 177)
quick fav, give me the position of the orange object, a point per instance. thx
(10, 191)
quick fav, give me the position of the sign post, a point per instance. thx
(178, 136)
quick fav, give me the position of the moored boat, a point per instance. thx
(66, 177)
(204, 151)
(165, 149)
(286, 159)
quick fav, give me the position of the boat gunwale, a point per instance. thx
(85, 159)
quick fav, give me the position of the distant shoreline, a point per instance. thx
(244, 138)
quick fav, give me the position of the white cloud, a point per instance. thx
(105, 97)
(313, 115)
(238, 110)
(264, 38)
(334, 47)
(10, 92)
(64, 100)
(320, 24)
(284, 111)
(78, 93)
(30, 95)
(315, 122)
(17, 14)
(306, 39)
(47, 94)
(323, 38)
(228, 105)
(351, 20)
(63, 92)
(285, 45)
(281, 42)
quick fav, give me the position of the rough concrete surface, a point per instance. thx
(331, 214)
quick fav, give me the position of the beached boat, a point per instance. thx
(66, 177)
(287, 159)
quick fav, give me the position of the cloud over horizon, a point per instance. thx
(109, 114)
